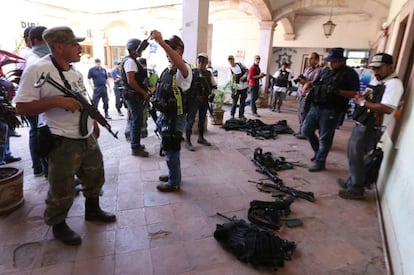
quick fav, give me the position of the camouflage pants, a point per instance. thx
(70, 157)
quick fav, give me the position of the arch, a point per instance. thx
(262, 9)
(370, 7)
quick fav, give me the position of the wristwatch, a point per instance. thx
(362, 103)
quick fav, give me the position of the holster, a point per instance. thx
(44, 141)
(171, 141)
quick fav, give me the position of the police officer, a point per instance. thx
(328, 98)
(136, 93)
(169, 97)
(373, 113)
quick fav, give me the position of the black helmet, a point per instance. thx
(133, 44)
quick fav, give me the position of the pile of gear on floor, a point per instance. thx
(257, 128)
(256, 242)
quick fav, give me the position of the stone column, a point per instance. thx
(265, 51)
(195, 34)
(195, 28)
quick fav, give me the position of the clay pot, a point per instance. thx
(11, 189)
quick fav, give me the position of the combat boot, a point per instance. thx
(93, 211)
(65, 234)
(202, 140)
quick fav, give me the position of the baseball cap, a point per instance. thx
(335, 54)
(203, 55)
(175, 42)
(62, 35)
(117, 62)
(380, 59)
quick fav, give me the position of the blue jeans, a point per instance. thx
(98, 93)
(242, 94)
(362, 140)
(325, 120)
(118, 98)
(136, 111)
(254, 94)
(38, 164)
(173, 157)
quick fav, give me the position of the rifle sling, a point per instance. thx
(83, 120)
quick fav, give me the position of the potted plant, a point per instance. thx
(218, 101)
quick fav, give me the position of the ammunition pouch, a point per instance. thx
(44, 141)
(171, 141)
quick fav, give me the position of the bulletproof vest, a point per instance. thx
(168, 97)
(364, 115)
(325, 90)
(200, 85)
(141, 76)
(282, 80)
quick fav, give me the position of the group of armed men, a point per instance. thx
(76, 154)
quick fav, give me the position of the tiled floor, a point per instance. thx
(173, 233)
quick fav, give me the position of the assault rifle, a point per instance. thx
(278, 184)
(87, 108)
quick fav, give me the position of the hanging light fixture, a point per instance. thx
(329, 26)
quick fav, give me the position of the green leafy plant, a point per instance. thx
(218, 99)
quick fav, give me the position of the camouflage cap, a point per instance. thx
(62, 35)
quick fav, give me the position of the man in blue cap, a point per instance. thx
(328, 99)
(118, 85)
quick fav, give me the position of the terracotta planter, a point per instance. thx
(217, 118)
(11, 189)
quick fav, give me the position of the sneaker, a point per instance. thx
(120, 113)
(140, 153)
(107, 116)
(351, 195)
(163, 187)
(316, 167)
(163, 178)
(341, 183)
(203, 141)
(189, 146)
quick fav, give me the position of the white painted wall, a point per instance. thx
(396, 184)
